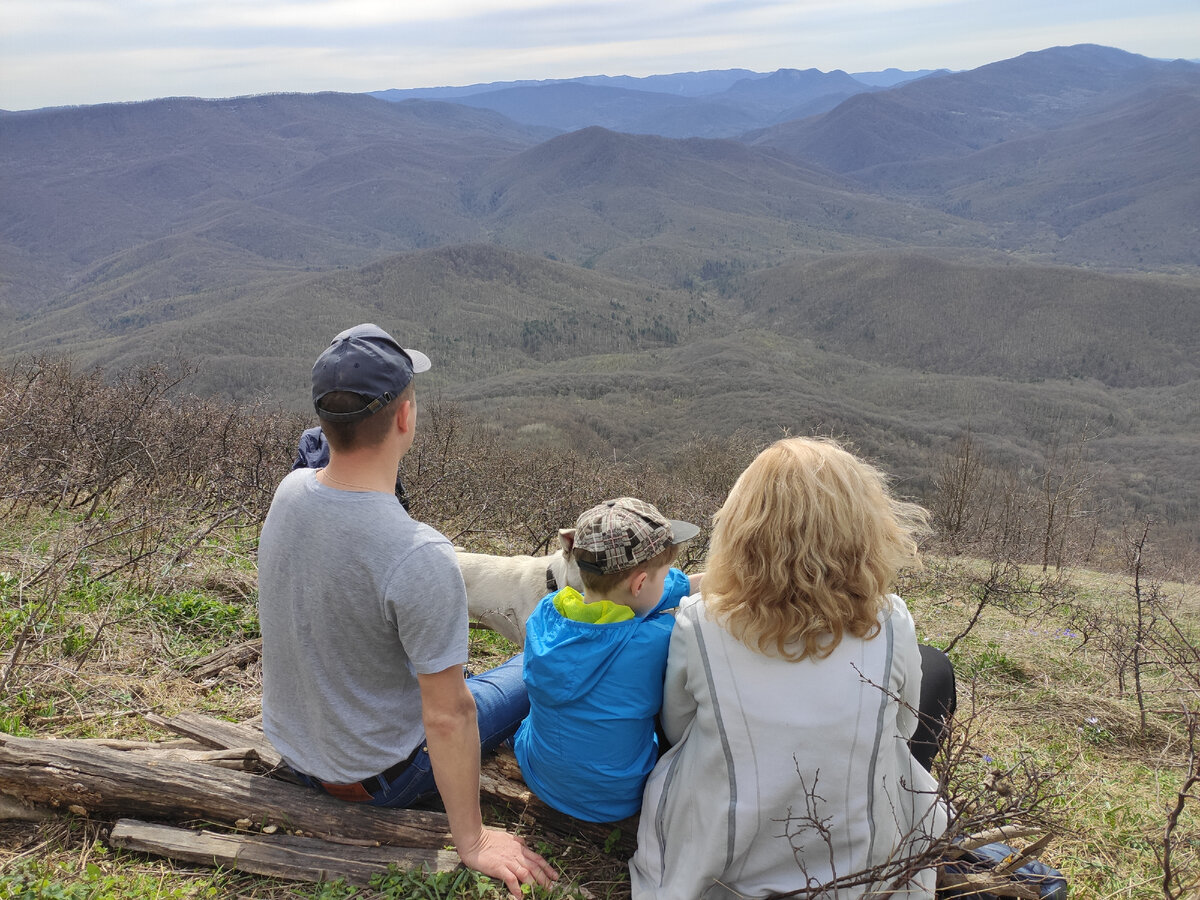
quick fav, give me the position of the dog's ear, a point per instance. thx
(566, 538)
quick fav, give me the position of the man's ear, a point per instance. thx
(566, 539)
(404, 419)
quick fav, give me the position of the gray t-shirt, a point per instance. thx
(355, 598)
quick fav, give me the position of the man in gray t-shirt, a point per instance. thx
(364, 620)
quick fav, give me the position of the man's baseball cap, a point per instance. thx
(367, 361)
(626, 532)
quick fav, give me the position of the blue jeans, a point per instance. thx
(501, 703)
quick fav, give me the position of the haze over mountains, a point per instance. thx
(714, 104)
(613, 260)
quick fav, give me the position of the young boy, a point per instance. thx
(594, 664)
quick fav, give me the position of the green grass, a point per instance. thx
(198, 613)
(1038, 700)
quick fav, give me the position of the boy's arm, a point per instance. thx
(694, 583)
(452, 736)
(676, 586)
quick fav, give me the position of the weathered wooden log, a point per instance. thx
(117, 744)
(500, 781)
(277, 855)
(1003, 833)
(219, 735)
(1019, 858)
(241, 759)
(14, 811)
(186, 750)
(238, 656)
(114, 784)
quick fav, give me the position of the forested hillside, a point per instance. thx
(1008, 253)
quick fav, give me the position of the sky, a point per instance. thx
(74, 52)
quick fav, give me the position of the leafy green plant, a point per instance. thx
(1093, 731)
(40, 880)
(416, 884)
(991, 661)
(198, 612)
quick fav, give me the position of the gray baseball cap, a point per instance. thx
(367, 361)
(626, 532)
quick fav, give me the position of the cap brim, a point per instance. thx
(682, 531)
(420, 362)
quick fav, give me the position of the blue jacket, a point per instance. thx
(313, 450)
(595, 691)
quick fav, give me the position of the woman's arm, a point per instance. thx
(679, 703)
(907, 667)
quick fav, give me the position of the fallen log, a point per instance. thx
(238, 657)
(244, 758)
(500, 781)
(14, 811)
(1003, 833)
(96, 781)
(241, 759)
(117, 744)
(219, 735)
(278, 855)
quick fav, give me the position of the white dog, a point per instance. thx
(502, 591)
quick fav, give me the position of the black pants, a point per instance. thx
(939, 699)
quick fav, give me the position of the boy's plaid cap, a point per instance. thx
(626, 532)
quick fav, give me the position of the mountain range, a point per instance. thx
(712, 104)
(614, 261)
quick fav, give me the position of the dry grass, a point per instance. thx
(1027, 692)
(108, 594)
(1032, 685)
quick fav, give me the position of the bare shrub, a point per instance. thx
(1045, 515)
(488, 494)
(120, 481)
(1176, 883)
(983, 585)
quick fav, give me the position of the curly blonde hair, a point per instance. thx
(806, 547)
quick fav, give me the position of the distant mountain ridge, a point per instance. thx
(956, 114)
(1001, 249)
(723, 103)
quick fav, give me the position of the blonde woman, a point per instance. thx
(790, 696)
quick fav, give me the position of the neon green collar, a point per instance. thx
(571, 605)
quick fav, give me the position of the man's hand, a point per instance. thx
(505, 856)
(452, 736)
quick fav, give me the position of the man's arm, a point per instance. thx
(452, 736)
